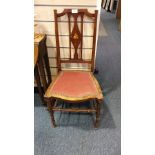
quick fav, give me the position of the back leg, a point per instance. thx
(98, 107)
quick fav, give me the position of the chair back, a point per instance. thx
(76, 18)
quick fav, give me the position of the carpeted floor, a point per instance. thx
(75, 134)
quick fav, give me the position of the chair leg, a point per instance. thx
(97, 113)
(50, 104)
(37, 78)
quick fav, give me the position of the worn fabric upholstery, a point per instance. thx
(75, 85)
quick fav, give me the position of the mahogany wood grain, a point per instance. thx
(75, 36)
(76, 43)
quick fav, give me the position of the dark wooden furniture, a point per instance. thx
(118, 14)
(75, 86)
(41, 64)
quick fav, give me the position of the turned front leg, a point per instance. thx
(50, 104)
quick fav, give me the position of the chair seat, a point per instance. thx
(74, 86)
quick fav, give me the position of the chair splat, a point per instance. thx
(75, 28)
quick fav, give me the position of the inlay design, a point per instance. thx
(75, 37)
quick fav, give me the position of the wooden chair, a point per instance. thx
(74, 86)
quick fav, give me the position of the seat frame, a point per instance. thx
(75, 40)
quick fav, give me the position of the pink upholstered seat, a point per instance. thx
(75, 85)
